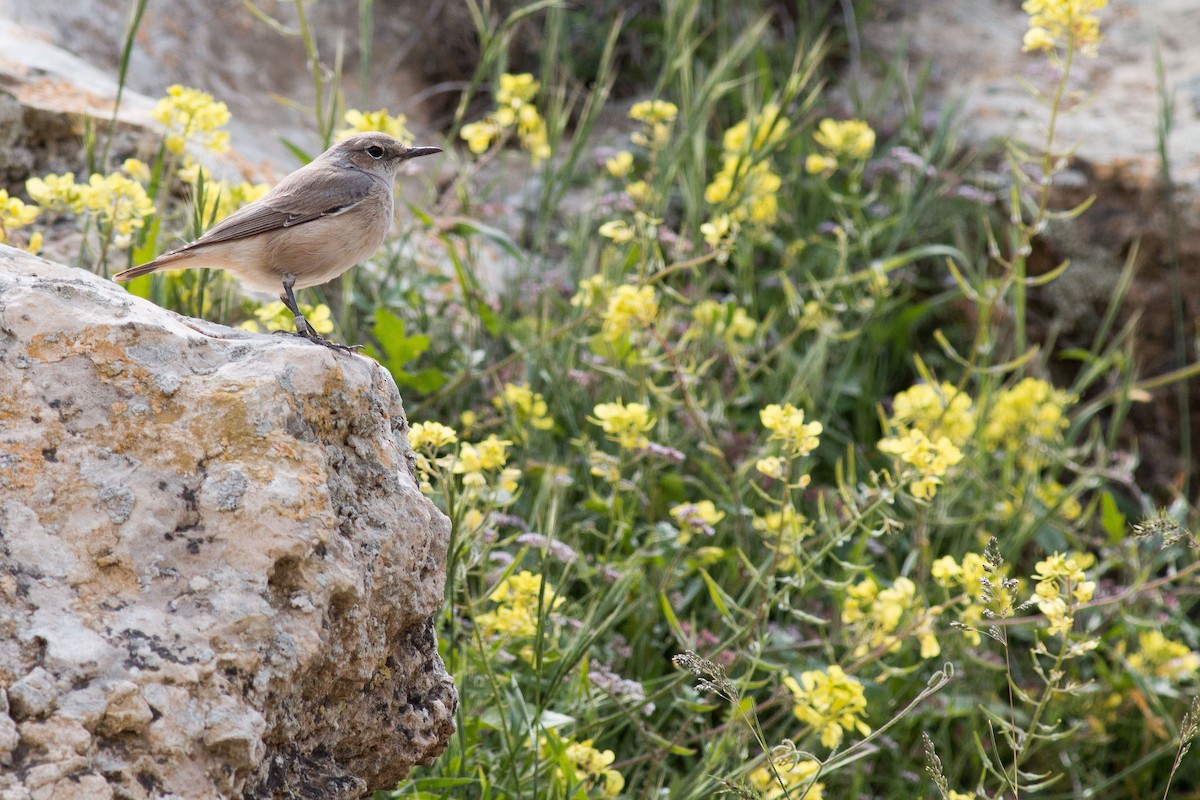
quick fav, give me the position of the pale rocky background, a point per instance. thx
(218, 577)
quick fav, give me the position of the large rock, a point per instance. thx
(217, 574)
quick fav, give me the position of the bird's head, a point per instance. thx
(375, 152)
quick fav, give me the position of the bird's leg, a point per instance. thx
(289, 299)
(303, 327)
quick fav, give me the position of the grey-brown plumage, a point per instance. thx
(314, 225)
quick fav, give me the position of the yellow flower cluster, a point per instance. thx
(482, 465)
(426, 438)
(276, 317)
(830, 701)
(620, 231)
(724, 319)
(118, 201)
(1061, 586)
(625, 424)
(1072, 23)
(966, 577)
(514, 108)
(784, 531)
(431, 435)
(745, 181)
(1163, 658)
(590, 768)
(527, 406)
(1031, 412)
(591, 291)
(521, 601)
(221, 198)
(787, 425)
(15, 213)
(381, 121)
(656, 117)
(940, 410)
(693, 518)
(794, 772)
(629, 308)
(192, 115)
(851, 140)
(931, 459)
(619, 165)
(872, 617)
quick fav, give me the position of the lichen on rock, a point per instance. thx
(217, 574)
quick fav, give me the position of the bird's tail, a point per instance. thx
(168, 261)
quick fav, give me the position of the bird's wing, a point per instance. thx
(293, 202)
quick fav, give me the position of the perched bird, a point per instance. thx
(314, 225)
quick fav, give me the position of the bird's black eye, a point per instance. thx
(375, 151)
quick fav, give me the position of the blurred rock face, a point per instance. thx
(217, 574)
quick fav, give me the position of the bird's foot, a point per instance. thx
(305, 330)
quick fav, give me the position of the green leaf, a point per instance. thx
(469, 227)
(1111, 518)
(399, 349)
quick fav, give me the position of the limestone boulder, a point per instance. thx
(218, 577)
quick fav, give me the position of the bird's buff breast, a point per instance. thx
(315, 252)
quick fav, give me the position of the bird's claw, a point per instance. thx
(305, 331)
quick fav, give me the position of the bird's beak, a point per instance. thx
(414, 152)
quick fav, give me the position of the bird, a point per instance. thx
(312, 226)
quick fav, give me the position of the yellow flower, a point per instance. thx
(695, 518)
(516, 90)
(528, 406)
(852, 138)
(618, 230)
(120, 204)
(136, 169)
(480, 135)
(619, 165)
(364, 121)
(590, 292)
(629, 307)
(935, 410)
(625, 424)
(772, 466)
(720, 231)
(192, 115)
(1031, 412)
(638, 191)
(654, 111)
(724, 319)
(817, 164)
(750, 188)
(787, 425)
(946, 571)
(830, 701)
(490, 454)
(794, 773)
(430, 435)
(784, 532)
(1069, 22)
(1163, 658)
(769, 128)
(56, 192)
(1054, 495)
(931, 458)
(14, 213)
(276, 317)
(590, 768)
